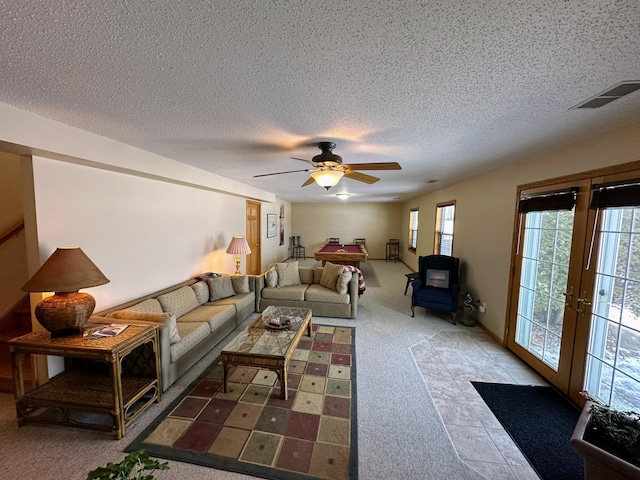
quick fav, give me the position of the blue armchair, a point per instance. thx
(437, 286)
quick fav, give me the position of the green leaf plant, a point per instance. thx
(134, 466)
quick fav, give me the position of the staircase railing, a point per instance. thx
(12, 232)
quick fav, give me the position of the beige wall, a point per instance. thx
(377, 222)
(13, 263)
(485, 212)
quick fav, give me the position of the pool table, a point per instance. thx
(342, 254)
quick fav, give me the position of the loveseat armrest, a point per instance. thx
(260, 283)
(354, 294)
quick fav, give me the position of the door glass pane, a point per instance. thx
(613, 358)
(545, 268)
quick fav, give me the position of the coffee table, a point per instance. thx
(262, 347)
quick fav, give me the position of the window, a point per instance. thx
(413, 229)
(443, 241)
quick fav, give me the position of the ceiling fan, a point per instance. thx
(327, 168)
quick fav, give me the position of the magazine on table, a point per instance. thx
(110, 330)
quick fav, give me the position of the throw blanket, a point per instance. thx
(361, 286)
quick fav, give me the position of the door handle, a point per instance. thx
(583, 303)
(568, 298)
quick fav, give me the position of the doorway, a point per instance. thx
(254, 260)
(574, 237)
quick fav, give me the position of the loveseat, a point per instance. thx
(327, 291)
(194, 316)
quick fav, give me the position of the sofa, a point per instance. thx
(328, 291)
(194, 316)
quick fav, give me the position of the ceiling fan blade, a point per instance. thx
(361, 177)
(279, 173)
(309, 181)
(374, 166)
(302, 160)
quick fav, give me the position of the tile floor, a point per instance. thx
(449, 361)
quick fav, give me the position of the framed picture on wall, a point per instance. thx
(272, 227)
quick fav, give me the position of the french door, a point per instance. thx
(573, 239)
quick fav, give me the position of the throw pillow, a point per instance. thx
(342, 285)
(201, 289)
(330, 275)
(288, 274)
(169, 320)
(220, 287)
(271, 277)
(240, 283)
(179, 301)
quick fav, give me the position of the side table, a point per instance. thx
(86, 387)
(410, 278)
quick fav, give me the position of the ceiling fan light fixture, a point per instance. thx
(327, 178)
(343, 195)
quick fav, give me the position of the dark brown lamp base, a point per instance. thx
(65, 313)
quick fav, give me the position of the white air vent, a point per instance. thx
(617, 91)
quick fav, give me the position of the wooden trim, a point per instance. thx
(622, 168)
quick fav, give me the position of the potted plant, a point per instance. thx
(608, 440)
(133, 466)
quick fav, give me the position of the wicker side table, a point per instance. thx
(84, 396)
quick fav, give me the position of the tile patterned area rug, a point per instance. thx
(250, 429)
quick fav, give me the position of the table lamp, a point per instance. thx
(66, 271)
(237, 247)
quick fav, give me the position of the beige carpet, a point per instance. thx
(400, 432)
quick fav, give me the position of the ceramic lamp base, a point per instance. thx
(65, 313)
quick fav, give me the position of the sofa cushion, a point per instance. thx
(150, 305)
(342, 285)
(288, 274)
(220, 287)
(179, 302)
(317, 274)
(201, 289)
(191, 334)
(240, 301)
(293, 293)
(271, 278)
(166, 318)
(330, 275)
(214, 315)
(240, 283)
(306, 275)
(318, 293)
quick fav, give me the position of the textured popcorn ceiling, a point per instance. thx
(447, 88)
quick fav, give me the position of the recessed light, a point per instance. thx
(343, 196)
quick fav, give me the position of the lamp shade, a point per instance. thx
(327, 178)
(238, 246)
(68, 269)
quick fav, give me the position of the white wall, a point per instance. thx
(143, 234)
(272, 251)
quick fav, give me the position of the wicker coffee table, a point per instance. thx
(271, 349)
